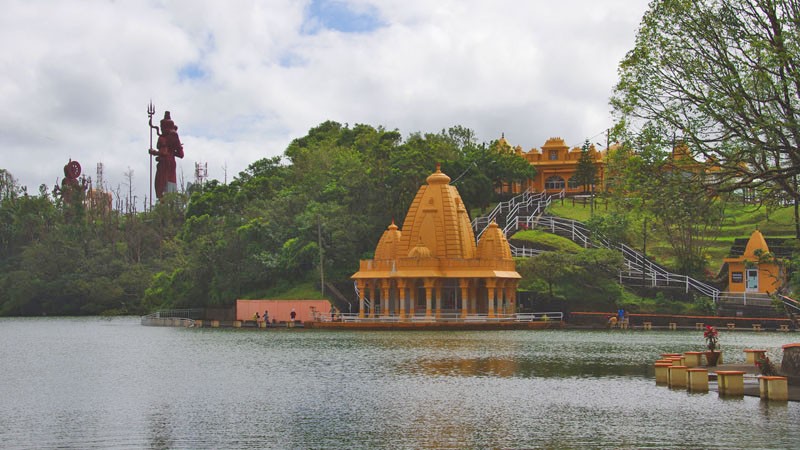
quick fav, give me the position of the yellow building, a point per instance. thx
(556, 165)
(432, 268)
(756, 269)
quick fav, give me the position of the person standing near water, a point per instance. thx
(293, 314)
(266, 318)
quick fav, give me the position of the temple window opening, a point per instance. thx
(573, 183)
(554, 182)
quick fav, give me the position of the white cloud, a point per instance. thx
(242, 79)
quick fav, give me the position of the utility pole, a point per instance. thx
(321, 257)
(644, 249)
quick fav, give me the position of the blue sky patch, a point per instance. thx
(338, 15)
(191, 71)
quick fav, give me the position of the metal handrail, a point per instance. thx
(524, 200)
(790, 302)
(457, 317)
(172, 317)
(636, 263)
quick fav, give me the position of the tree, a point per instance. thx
(724, 76)
(587, 276)
(586, 171)
(651, 185)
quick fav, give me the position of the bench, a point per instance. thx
(773, 388)
(752, 355)
(648, 325)
(731, 326)
(784, 327)
(756, 327)
(697, 379)
(699, 325)
(673, 326)
(730, 382)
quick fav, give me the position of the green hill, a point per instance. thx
(739, 222)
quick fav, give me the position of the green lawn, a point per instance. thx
(740, 221)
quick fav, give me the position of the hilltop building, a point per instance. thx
(433, 268)
(556, 165)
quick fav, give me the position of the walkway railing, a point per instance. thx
(457, 317)
(791, 304)
(524, 208)
(172, 317)
(638, 271)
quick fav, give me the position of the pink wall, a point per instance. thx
(280, 309)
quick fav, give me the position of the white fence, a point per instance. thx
(457, 317)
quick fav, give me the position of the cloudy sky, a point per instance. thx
(244, 78)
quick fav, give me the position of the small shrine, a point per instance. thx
(433, 268)
(755, 269)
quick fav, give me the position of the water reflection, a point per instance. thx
(89, 383)
(519, 367)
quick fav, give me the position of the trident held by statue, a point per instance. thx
(168, 147)
(151, 109)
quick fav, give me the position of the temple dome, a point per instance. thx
(756, 242)
(493, 244)
(439, 221)
(387, 246)
(438, 177)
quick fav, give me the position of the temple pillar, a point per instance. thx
(473, 301)
(401, 298)
(373, 301)
(500, 306)
(491, 295)
(360, 285)
(428, 292)
(385, 286)
(438, 299)
(506, 297)
(512, 296)
(463, 283)
(412, 302)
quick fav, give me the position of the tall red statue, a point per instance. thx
(168, 147)
(72, 188)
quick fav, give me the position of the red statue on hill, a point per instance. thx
(72, 188)
(168, 147)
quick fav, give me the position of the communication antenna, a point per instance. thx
(99, 181)
(200, 173)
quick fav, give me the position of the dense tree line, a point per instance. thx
(325, 201)
(723, 76)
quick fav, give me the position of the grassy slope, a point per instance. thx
(740, 221)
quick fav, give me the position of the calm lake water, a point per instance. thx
(112, 383)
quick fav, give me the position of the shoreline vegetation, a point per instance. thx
(284, 224)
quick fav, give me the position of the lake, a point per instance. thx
(112, 383)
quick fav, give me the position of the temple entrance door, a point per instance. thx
(751, 283)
